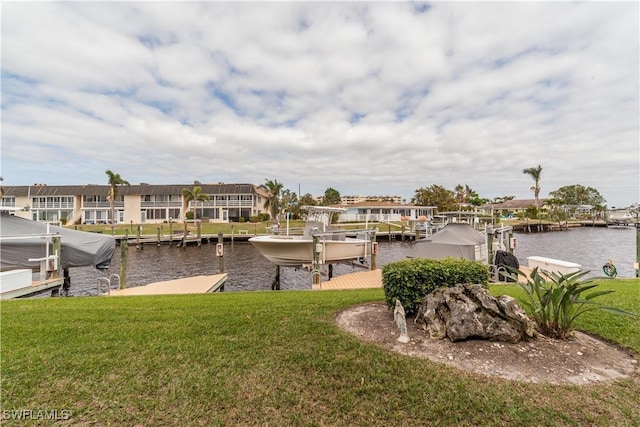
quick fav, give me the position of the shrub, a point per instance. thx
(241, 219)
(411, 280)
(554, 301)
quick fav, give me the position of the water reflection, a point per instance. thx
(247, 270)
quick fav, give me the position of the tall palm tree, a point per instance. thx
(462, 193)
(195, 195)
(115, 180)
(273, 201)
(535, 174)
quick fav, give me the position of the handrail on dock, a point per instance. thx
(109, 282)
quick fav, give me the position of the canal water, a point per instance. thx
(247, 270)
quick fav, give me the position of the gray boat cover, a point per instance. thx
(456, 240)
(79, 248)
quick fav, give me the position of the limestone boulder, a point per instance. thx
(471, 312)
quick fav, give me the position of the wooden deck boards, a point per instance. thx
(359, 280)
(35, 288)
(188, 285)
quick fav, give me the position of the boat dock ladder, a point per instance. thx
(109, 281)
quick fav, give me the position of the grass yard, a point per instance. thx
(270, 358)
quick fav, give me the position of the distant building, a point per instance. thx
(144, 203)
(512, 207)
(353, 200)
(385, 212)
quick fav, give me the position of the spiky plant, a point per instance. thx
(555, 300)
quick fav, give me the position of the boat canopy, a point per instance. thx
(457, 240)
(20, 243)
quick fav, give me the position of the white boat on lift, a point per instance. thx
(297, 250)
(620, 216)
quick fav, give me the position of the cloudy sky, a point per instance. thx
(368, 98)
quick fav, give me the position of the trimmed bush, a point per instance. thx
(412, 279)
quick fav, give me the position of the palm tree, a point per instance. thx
(535, 174)
(273, 201)
(115, 180)
(195, 195)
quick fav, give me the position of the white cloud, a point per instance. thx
(367, 98)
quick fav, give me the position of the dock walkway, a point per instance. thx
(187, 285)
(37, 287)
(359, 280)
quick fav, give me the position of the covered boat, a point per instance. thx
(23, 239)
(457, 240)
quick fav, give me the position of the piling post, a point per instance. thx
(231, 233)
(138, 246)
(374, 251)
(199, 232)
(158, 236)
(124, 247)
(184, 236)
(317, 247)
(489, 245)
(402, 233)
(220, 253)
(637, 264)
(275, 286)
(170, 232)
(57, 251)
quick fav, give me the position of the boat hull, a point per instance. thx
(293, 251)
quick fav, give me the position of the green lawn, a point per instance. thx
(270, 358)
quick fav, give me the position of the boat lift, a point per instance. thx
(18, 283)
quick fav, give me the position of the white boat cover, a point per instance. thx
(79, 248)
(457, 240)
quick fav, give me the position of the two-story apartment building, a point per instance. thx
(143, 203)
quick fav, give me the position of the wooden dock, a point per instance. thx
(37, 287)
(359, 280)
(188, 285)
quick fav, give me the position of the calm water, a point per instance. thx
(247, 270)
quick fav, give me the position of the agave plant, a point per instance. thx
(555, 300)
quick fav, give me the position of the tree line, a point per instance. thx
(461, 197)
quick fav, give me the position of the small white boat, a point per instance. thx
(332, 245)
(620, 216)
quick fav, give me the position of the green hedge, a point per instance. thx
(412, 279)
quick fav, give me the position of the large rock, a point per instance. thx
(470, 311)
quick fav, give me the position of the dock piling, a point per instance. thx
(123, 261)
(275, 286)
(220, 253)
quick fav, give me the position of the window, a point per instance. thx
(9, 202)
(156, 214)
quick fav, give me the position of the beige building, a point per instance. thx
(143, 203)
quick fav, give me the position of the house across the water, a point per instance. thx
(143, 203)
(385, 212)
